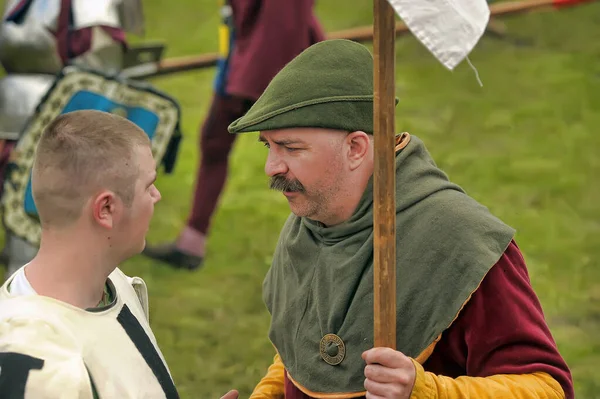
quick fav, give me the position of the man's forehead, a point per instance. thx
(148, 175)
(152, 168)
(145, 159)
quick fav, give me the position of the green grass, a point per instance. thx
(525, 144)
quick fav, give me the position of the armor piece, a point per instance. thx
(19, 96)
(27, 43)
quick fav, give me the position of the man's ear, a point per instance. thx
(358, 146)
(104, 209)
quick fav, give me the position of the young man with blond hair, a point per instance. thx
(71, 323)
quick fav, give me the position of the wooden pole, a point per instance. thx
(384, 187)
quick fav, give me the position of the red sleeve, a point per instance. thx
(501, 330)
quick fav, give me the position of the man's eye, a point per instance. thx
(266, 144)
(290, 149)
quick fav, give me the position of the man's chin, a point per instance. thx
(297, 209)
(140, 249)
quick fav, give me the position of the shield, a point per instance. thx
(76, 88)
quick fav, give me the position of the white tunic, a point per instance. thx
(50, 349)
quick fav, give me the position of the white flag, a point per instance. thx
(448, 28)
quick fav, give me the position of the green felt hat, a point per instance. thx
(329, 85)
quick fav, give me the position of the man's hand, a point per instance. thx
(390, 374)
(233, 394)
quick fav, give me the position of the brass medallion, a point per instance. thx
(332, 349)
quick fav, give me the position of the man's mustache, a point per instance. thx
(280, 183)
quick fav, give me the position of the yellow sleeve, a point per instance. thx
(501, 386)
(272, 384)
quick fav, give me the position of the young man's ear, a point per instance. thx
(104, 207)
(358, 147)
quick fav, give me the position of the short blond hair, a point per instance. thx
(79, 153)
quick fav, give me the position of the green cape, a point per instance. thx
(321, 278)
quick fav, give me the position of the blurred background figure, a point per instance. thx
(257, 38)
(40, 43)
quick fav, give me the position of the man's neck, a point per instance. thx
(342, 214)
(75, 274)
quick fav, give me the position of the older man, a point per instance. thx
(469, 323)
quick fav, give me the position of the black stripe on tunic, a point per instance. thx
(142, 342)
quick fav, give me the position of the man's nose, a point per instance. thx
(275, 166)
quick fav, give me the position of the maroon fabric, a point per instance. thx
(268, 35)
(62, 30)
(501, 330)
(17, 8)
(215, 146)
(291, 392)
(80, 41)
(73, 43)
(7, 147)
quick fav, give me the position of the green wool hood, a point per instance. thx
(321, 278)
(329, 85)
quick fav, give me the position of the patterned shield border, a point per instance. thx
(70, 82)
